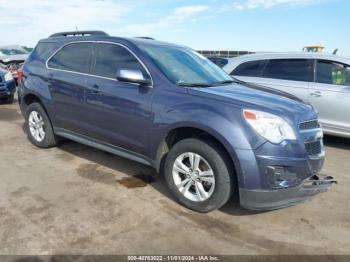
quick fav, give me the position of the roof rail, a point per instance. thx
(79, 33)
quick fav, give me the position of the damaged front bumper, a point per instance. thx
(280, 198)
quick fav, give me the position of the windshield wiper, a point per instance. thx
(194, 84)
(224, 82)
(230, 81)
(238, 81)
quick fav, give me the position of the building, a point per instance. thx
(223, 53)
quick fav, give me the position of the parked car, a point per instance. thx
(219, 61)
(320, 79)
(7, 86)
(12, 57)
(167, 106)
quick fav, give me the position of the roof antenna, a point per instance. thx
(335, 51)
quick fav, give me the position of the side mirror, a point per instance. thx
(132, 76)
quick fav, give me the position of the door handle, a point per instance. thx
(95, 89)
(316, 94)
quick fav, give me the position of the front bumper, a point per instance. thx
(274, 176)
(280, 198)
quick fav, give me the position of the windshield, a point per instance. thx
(7, 51)
(184, 66)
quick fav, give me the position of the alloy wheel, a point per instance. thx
(36, 126)
(193, 176)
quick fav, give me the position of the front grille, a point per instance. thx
(309, 125)
(314, 148)
(1, 79)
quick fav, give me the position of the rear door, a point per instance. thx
(118, 113)
(288, 75)
(68, 73)
(330, 93)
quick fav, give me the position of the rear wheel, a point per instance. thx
(39, 128)
(199, 174)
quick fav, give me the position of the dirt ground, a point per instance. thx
(74, 199)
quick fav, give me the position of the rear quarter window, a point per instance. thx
(44, 50)
(41, 53)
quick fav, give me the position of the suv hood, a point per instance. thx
(258, 97)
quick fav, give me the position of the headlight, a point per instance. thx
(8, 76)
(271, 127)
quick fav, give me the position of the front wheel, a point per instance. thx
(199, 174)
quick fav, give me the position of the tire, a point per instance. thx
(45, 139)
(211, 158)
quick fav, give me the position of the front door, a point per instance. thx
(118, 113)
(330, 94)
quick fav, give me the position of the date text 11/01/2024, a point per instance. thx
(173, 258)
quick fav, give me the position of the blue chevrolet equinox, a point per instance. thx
(166, 106)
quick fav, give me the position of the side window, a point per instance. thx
(111, 57)
(252, 68)
(288, 69)
(347, 76)
(328, 72)
(73, 57)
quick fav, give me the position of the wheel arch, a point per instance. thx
(30, 98)
(175, 134)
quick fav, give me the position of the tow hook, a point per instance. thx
(319, 180)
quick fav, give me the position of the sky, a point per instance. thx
(249, 25)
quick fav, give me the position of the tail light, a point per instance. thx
(20, 73)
